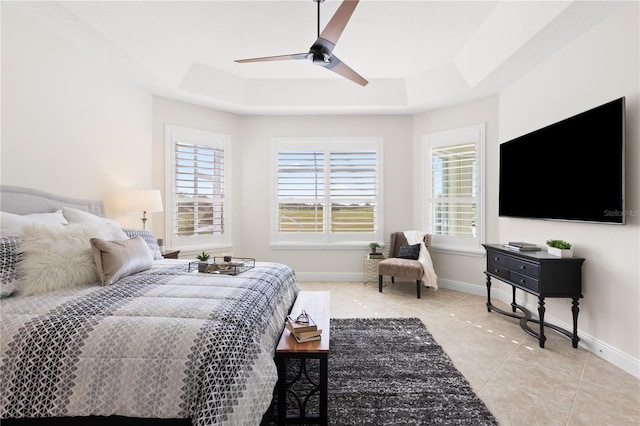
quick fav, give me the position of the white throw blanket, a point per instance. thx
(430, 279)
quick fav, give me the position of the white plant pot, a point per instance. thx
(560, 252)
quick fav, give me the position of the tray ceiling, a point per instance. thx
(417, 55)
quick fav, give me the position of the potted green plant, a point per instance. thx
(559, 248)
(204, 261)
(373, 245)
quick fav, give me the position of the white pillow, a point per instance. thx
(119, 259)
(78, 216)
(12, 224)
(55, 257)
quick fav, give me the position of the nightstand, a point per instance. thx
(171, 254)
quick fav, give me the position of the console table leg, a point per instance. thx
(575, 310)
(488, 293)
(513, 299)
(541, 310)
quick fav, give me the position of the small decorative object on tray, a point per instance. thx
(303, 328)
(236, 266)
(203, 261)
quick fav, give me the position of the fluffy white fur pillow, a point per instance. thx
(119, 259)
(56, 257)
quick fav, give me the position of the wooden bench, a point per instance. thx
(316, 304)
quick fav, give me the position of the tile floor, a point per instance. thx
(521, 383)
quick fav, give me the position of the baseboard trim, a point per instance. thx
(463, 287)
(330, 276)
(605, 351)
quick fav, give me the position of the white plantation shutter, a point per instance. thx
(301, 191)
(327, 191)
(454, 189)
(198, 188)
(454, 200)
(353, 188)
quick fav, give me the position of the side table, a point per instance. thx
(371, 269)
(170, 254)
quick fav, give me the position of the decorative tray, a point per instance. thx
(236, 266)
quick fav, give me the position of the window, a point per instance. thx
(327, 191)
(454, 180)
(198, 187)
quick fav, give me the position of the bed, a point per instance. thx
(156, 346)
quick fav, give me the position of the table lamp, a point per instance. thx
(144, 200)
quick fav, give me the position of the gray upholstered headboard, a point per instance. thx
(19, 200)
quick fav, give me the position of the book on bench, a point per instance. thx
(303, 331)
(300, 338)
(304, 335)
(300, 327)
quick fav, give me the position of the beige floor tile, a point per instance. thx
(604, 386)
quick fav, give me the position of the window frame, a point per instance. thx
(475, 133)
(180, 134)
(326, 240)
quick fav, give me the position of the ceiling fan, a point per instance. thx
(321, 51)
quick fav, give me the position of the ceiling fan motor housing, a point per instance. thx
(321, 52)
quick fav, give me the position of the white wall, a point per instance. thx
(598, 67)
(69, 126)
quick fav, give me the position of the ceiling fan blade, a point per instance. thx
(338, 22)
(339, 67)
(274, 58)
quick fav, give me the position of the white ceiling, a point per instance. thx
(417, 55)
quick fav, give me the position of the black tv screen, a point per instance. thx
(570, 170)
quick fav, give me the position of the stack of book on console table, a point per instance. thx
(303, 328)
(521, 246)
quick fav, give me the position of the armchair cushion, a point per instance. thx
(402, 268)
(409, 252)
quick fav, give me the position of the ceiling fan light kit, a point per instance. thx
(321, 52)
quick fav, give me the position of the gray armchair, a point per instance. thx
(394, 266)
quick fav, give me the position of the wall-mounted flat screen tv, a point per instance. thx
(571, 170)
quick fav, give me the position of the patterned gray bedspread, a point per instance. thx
(164, 343)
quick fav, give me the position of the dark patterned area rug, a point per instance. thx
(390, 371)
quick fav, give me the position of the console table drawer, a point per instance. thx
(499, 260)
(499, 270)
(525, 281)
(525, 268)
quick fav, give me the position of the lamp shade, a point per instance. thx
(144, 200)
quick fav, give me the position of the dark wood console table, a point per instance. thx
(540, 274)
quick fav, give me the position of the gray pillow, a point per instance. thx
(148, 238)
(409, 252)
